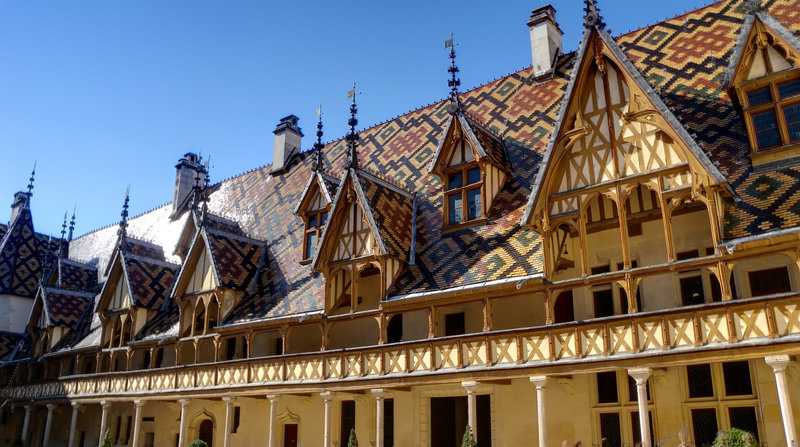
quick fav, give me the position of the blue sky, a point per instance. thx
(106, 94)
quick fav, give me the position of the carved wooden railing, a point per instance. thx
(726, 324)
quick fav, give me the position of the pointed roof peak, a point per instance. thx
(753, 6)
(72, 223)
(592, 17)
(351, 162)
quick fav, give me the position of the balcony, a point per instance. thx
(511, 353)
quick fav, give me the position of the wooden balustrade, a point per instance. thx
(725, 324)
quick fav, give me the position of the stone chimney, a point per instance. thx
(545, 40)
(287, 143)
(186, 170)
(22, 200)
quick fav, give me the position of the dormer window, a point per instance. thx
(764, 81)
(313, 208)
(773, 110)
(472, 164)
(464, 193)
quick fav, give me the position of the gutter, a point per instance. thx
(518, 281)
(732, 245)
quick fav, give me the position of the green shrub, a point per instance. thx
(107, 438)
(352, 442)
(468, 440)
(198, 443)
(735, 438)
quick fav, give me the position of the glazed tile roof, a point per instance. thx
(86, 333)
(684, 59)
(8, 342)
(392, 211)
(149, 279)
(236, 259)
(22, 253)
(73, 275)
(65, 307)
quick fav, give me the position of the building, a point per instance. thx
(600, 247)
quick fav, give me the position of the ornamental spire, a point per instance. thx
(123, 223)
(592, 17)
(351, 162)
(316, 163)
(30, 181)
(71, 225)
(204, 192)
(453, 82)
(62, 243)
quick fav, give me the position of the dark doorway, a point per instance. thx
(564, 309)
(454, 324)
(394, 330)
(449, 420)
(290, 435)
(207, 432)
(348, 421)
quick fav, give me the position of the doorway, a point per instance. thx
(290, 435)
(207, 432)
(449, 420)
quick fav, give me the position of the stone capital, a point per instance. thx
(379, 393)
(183, 401)
(106, 405)
(327, 396)
(640, 375)
(138, 403)
(470, 385)
(51, 407)
(778, 362)
(539, 381)
(274, 398)
(228, 400)
(75, 405)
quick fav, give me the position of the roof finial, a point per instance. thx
(64, 227)
(316, 163)
(123, 223)
(753, 6)
(30, 182)
(351, 162)
(453, 82)
(204, 193)
(62, 243)
(592, 17)
(72, 224)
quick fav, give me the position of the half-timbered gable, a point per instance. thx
(472, 164)
(368, 241)
(763, 79)
(617, 154)
(55, 312)
(138, 281)
(221, 267)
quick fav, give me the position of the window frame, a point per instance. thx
(464, 189)
(317, 230)
(776, 104)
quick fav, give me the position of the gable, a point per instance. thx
(764, 47)
(119, 296)
(353, 237)
(201, 275)
(613, 129)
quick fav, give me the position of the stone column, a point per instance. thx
(73, 424)
(182, 430)
(26, 423)
(137, 422)
(472, 413)
(779, 364)
(105, 405)
(48, 424)
(273, 419)
(640, 375)
(540, 382)
(327, 397)
(379, 394)
(226, 440)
